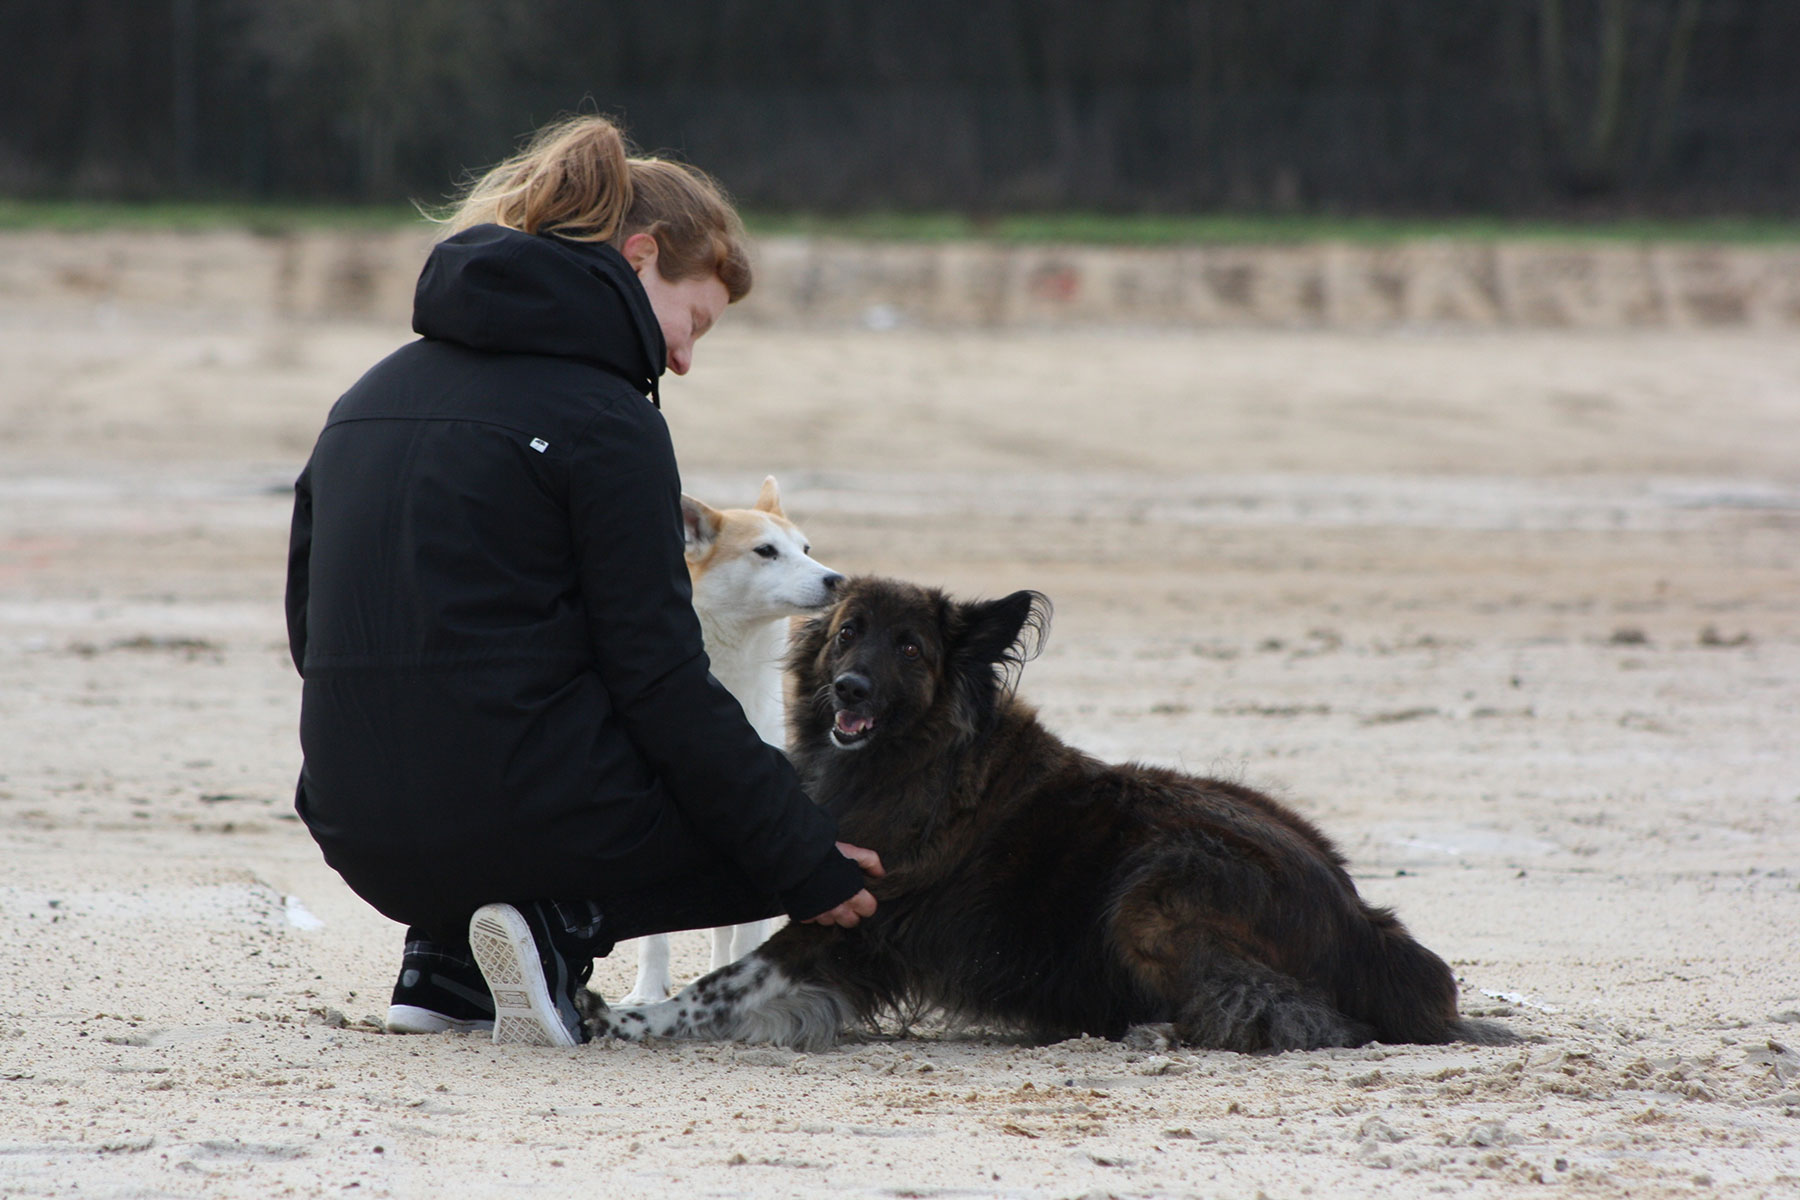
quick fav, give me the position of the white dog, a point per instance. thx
(752, 570)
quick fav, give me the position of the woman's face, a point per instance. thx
(684, 308)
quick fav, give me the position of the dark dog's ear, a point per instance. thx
(699, 525)
(1005, 633)
(807, 636)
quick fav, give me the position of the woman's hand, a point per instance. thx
(868, 860)
(861, 905)
(847, 914)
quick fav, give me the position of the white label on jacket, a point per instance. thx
(540, 445)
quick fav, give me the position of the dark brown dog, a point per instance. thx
(1032, 887)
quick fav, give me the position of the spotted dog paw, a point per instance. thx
(620, 1024)
(751, 1000)
(605, 1021)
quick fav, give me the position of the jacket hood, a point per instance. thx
(497, 289)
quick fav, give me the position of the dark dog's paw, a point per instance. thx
(1478, 1032)
(1158, 1037)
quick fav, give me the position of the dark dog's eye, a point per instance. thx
(909, 650)
(846, 634)
(767, 551)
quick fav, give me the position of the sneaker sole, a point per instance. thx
(524, 1013)
(410, 1018)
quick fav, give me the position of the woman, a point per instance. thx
(506, 707)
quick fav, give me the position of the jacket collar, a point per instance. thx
(499, 290)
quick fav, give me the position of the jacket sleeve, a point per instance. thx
(298, 569)
(738, 791)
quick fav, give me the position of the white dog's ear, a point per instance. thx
(769, 499)
(699, 525)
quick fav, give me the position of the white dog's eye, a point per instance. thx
(767, 551)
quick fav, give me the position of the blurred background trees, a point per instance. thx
(1329, 106)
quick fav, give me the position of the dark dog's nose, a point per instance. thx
(851, 688)
(832, 582)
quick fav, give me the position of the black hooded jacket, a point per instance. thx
(488, 603)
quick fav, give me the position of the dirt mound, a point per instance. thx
(1521, 285)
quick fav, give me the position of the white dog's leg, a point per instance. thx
(653, 981)
(723, 955)
(732, 942)
(747, 937)
(749, 1001)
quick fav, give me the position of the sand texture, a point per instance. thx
(1514, 616)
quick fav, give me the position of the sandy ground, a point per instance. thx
(1515, 617)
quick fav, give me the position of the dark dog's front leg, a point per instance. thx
(759, 998)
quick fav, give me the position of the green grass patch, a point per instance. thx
(1214, 229)
(73, 216)
(1072, 228)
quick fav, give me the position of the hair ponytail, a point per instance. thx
(572, 179)
(576, 179)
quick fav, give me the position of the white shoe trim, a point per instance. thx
(410, 1018)
(507, 954)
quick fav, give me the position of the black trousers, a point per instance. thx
(436, 895)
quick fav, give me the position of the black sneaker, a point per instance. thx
(440, 990)
(533, 984)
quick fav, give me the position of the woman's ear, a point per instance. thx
(640, 251)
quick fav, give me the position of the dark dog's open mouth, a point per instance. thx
(851, 729)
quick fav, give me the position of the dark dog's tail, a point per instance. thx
(1401, 989)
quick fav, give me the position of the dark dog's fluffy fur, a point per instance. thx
(1031, 886)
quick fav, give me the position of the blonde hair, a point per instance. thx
(577, 179)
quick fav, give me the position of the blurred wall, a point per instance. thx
(822, 281)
